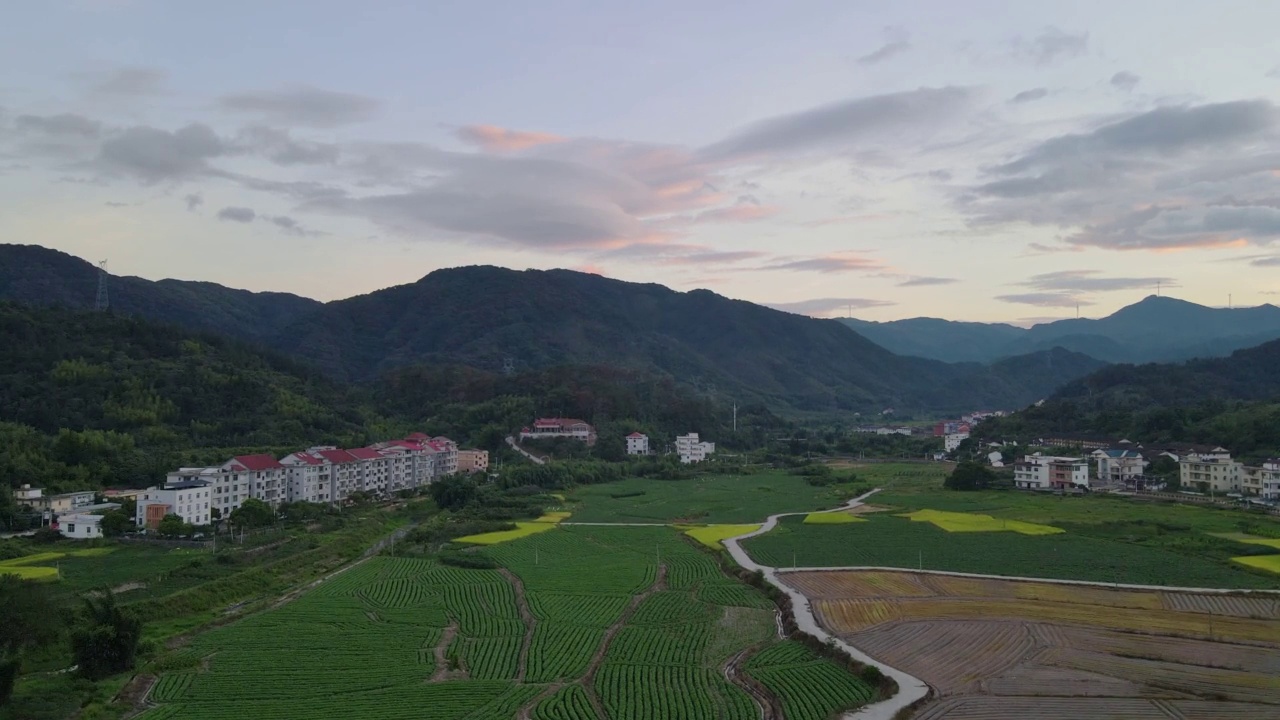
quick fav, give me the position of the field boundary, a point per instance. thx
(910, 688)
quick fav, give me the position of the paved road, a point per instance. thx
(910, 688)
(534, 458)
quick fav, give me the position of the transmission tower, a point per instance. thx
(102, 303)
(508, 366)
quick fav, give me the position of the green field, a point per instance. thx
(891, 541)
(704, 499)
(587, 619)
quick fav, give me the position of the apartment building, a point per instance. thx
(373, 470)
(951, 441)
(1212, 471)
(691, 449)
(191, 500)
(637, 444)
(1046, 472)
(1262, 481)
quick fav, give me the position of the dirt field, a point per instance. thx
(996, 649)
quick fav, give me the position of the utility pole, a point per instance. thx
(735, 418)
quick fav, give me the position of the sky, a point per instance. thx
(978, 160)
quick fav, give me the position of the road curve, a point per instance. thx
(910, 688)
(533, 458)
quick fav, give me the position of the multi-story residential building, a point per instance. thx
(1119, 465)
(1213, 472)
(560, 427)
(1262, 481)
(637, 444)
(691, 449)
(57, 504)
(951, 441)
(373, 470)
(261, 477)
(190, 500)
(1043, 472)
(344, 473)
(309, 477)
(473, 461)
(27, 495)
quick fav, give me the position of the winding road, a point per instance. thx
(532, 458)
(910, 688)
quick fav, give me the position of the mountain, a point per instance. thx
(1156, 329)
(482, 316)
(1232, 401)
(35, 275)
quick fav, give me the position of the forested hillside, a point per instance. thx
(1232, 401)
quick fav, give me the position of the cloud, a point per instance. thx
(1125, 81)
(1051, 45)
(193, 201)
(678, 254)
(886, 51)
(917, 281)
(279, 147)
(1090, 281)
(1261, 260)
(491, 138)
(153, 155)
(1044, 299)
(303, 105)
(127, 81)
(1274, 72)
(237, 214)
(826, 306)
(834, 263)
(114, 204)
(841, 124)
(1031, 95)
(59, 125)
(742, 212)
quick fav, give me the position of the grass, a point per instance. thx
(832, 518)
(975, 522)
(1270, 563)
(1250, 539)
(897, 542)
(703, 499)
(553, 517)
(30, 572)
(523, 529)
(711, 535)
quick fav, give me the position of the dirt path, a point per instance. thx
(529, 621)
(134, 694)
(769, 706)
(588, 680)
(526, 711)
(441, 652)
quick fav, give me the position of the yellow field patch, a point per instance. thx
(553, 517)
(32, 559)
(711, 535)
(1250, 539)
(523, 529)
(30, 572)
(1270, 563)
(831, 518)
(558, 496)
(974, 522)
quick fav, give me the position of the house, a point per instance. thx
(1211, 471)
(1079, 442)
(637, 444)
(950, 427)
(691, 449)
(1262, 480)
(27, 495)
(118, 494)
(61, 503)
(951, 441)
(1044, 472)
(1119, 465)
(78, 526)
(996, 458)
(473, 461)
(893, 431)
(191, 500)
(560, 427)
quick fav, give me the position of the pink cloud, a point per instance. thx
(832, 263)
(736, 213)
(492, 138)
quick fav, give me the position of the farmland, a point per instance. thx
(578, 622)
(994, 648)
(704, 499)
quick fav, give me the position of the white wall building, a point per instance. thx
(190, 500)
(1042, 472)
(637, 444)
(560, 427)
(80, 527)
(951, 441)
(1119, 465)
(1210, 472)
(691, 449)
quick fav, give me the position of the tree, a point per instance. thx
(253, 513)
(172, 525)
(116, 523)
(106, 640)
(969, 475)
(31, 618)
(453, 492)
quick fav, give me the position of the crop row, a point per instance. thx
(669, 607)
(666, 645)
(568, 703)
(813, 691)
(731, 594)
(492, 658)
(636, 692)
(561, 651)
(579, 609)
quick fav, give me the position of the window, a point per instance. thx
(71, 528)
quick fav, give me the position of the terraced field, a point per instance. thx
(580, 623)
(995, 649)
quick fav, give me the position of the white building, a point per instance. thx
(1042, 472)
(637, 444)
(1119, 465)
(80, 527)
(190, 500)
(893, 431)
(310, 477)
(560, 427)
(1211, 471)
(691, 449)
(373, 470)
(951, 441)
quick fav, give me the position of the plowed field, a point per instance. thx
(996, 649)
